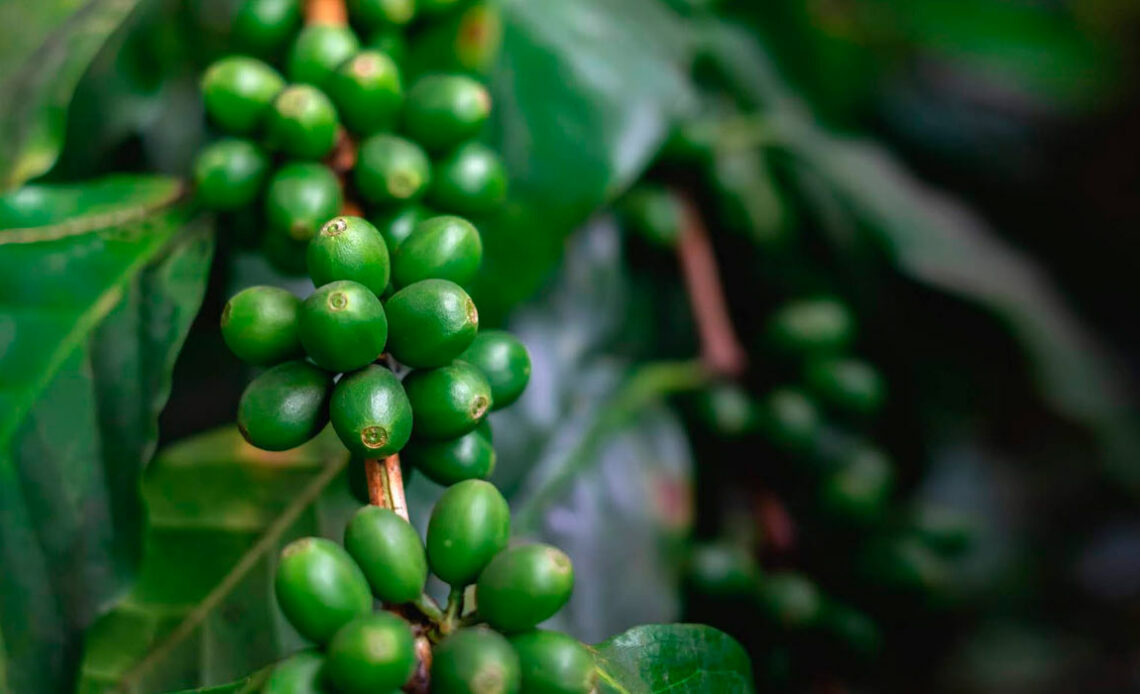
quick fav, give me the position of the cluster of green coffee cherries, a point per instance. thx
(489, 646)
(335, 355)
(406, 154)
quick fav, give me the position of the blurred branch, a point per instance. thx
(720, 348)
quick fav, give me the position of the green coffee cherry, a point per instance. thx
(469, 457)
(238, 92)
(722, 570)
(654, 213)
(372, 653)
(259, 325)
(264, 27)
(431, 322)
(789, 419)
(810, 327)
(475, 661)
(349, 248)
(443, 111)
(391, 170)
(466, 41)
(320, 588)
(792, 600)
(367, 92)
(378, 14)
(317, 52)
(850, 385)
(554, 663)
(300, 673)
(524, 586)
(727, 409)
(396, 225)
(389, 551)
(342, 326)
(302, 123)
(444, 248)
(229, 173)
(470, 181)
(449, 401)
(503, 359)
(370, 412)
(860, 489)
(285, 406)
(469, 525)
(300, 197)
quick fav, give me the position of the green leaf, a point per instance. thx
(246, 685)
(94, 310)
(674, 658)
(585, 93)
(44, 51)
(218, 513)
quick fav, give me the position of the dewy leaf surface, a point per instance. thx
(98, 286)
(46, 50)
(674, 658)
(203, 611)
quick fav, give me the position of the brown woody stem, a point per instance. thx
(325, 12)
(386, 484)
(720, 348)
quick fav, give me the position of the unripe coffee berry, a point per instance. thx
(389, 551)
(554, 663)
(367, 92)
(503, 359)
(524, 586)
(444, 110)
(445, 248)
(449, 401)
(259, 325)
(342, 326)
(264, 27)
(300, 198)
(320, 588)
(317, 52)
(475, 661)
(471, 181)
(238, 91)
(432, 322)
(228, 173)
(469, 457)
(302, 122)
(379, 14)
(371, 413)
(373, 653)
(469, 525)
(391, 170)
(285, 406)
(397, 224)
(300, 673)
(349, 248)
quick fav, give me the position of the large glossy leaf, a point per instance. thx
(584, 95)
(98, 286)
(932, 239)
(44, 49)
(203, 611)
(674, 658)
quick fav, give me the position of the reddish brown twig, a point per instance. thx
(720, 349)
(386, 484)
(325, 12)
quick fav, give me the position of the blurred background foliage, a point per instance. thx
(961, 174)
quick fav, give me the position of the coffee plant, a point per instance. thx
(547, 346)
